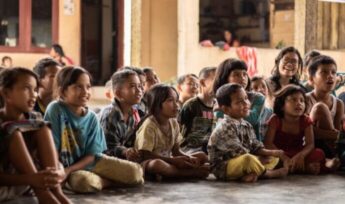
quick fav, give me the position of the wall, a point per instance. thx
(159, 37)
(69, 38)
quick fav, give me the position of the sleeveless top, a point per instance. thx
(289, 142)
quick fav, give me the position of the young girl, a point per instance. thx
(158, 139)
(22, 133)
(258, 84)
(287, 70)
(235, 71)
(291, 130)
(80, 139)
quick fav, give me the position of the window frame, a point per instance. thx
(25, 23)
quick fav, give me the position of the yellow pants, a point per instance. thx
(246, 164)
(111, 168)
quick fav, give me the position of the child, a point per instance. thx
(187, 87)
(292, 131)
(120, 119)
(325, 110)
(58, 54)
(23, 132)
(6, 62)
(158, 139)
(233, 148)
(235, 71)
(258, 84)
(287, 69)
(46, 70)
(196, 116)
(308, 57)
(151, 78)
(80, 140)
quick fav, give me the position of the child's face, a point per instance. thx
(239, 76)
(207, 84)
(189, 88)
(142, 79)
(170, 108)
(151, 79)
(8, 63)
(259, 86)
(240, 105)
(79, 93)
(48, 80)
(130, 92)
(288, 65)
(325, 77)
(22, 96)
(294, 104)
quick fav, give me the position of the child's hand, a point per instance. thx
(45, 179)
(182, 162)
(194, 160)
(59, 173)
(278, 153)
(297, 163)
(132, 155)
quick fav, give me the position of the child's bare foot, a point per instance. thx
(333, 164)
(276, 173)
(204, 171)
(61, 196)
(250, 178)
(46, 196)
(313, 168)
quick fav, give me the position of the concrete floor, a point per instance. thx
(293, 189)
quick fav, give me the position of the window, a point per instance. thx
(28, 25)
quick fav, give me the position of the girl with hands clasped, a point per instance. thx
(158, 138)
(291, 130)
(28, 155)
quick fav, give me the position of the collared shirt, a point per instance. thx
(118, 133)
(231, 138)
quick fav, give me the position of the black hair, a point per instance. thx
(147, 70)
(156, 97)
(224, 93)
(281, 96)
(58, 49)
(120, 77)
(181, 79)
(9, 77)
(275, 71)
(68, 76)
(224, 70)
(309, 56)
(4, 58)
(42, 65)
(317, 61)
(206, 71)
(139, 71)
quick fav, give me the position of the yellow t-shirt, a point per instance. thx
(151, 138)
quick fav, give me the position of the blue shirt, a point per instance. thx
(75, 136)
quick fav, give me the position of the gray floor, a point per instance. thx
(293, 189)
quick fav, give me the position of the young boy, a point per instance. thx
(325, 110)
(46, 70)
(120, 118)
(151, 78)
(196, 115)
(234, 151)
(187, 87)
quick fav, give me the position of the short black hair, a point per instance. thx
(224, 70)
(182, 78)
(309, 56)
(139, 71)
(8, 77)
(317, 61)
(206, 71)
(58, 49)
(224, 93)
(42, 65)
(281, 96)
(147, 70)
(120, 77)
(4, 58)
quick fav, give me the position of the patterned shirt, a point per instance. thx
(118, 133)
(231, 138)
(196, 121)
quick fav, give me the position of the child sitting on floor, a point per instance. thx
(291, 130)
(80, 140)
(158, 139)
(233, 149)
(187, 87)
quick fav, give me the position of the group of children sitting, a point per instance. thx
(219, 122)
